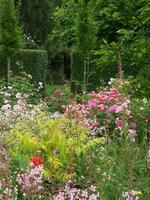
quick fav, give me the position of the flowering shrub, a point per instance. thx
(31, 182)
(58, 100)
(74, 193)
(111, 111)
(20, 86)
(92, 141)
(58, 142)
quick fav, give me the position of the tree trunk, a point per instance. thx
(120, 66)
(85, 74)
(8, 70)
(88, 69)
(63, 68)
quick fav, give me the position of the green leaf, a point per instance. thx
(122, 31)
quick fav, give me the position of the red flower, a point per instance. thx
(36, 161)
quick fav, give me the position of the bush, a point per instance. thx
(20, 85)
(34, 62)
(141, 84)
(57, 96)
(117, 169)
(57, 142)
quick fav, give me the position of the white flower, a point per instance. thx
(17, 108)
(29, 76)
(40, 85)
(18, 95)
(5, 101)
(9, 87)
(6, 107)
(7, 94)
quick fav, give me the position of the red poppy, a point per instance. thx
(36, 161)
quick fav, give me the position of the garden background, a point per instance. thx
(74, 99)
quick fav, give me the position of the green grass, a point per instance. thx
(50, 89)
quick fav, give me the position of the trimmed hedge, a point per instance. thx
(34, 62)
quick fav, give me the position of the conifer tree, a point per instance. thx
(86, 37)
(10, 33)
(36, 19)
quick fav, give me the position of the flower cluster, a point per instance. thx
(72, 193)
(132, 195)
(31, 181)
(104, 108)
(7, 191)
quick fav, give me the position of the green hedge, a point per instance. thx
(34, 62)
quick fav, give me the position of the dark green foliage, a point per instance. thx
(35, 17)
(32, 62)
(120, 29)
(77, 70)
(85, 43)
(86, 29)
(2, 65)
(10, 32)
(141, 84)
(122, 25)
(35, 63)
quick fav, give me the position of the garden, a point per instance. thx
(74, 100)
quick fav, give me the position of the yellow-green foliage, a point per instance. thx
(58, 142)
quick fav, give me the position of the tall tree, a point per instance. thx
(86, 37)
(10, 33)
(36, 21)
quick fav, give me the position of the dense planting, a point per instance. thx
(97, 144)
(74, 100)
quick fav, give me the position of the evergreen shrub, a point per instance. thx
(33, 62)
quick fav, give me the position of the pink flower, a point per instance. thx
(93, 94)
(132, 134)
(133, 125)
(119, 123)
(146, 120)
(95, 124)
(103, 97)
(92, 103)
(115, 108)
(59, 92)
(114, 92)
(102, 107)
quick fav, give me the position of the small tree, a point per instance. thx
(10, 33)
(86, 37)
